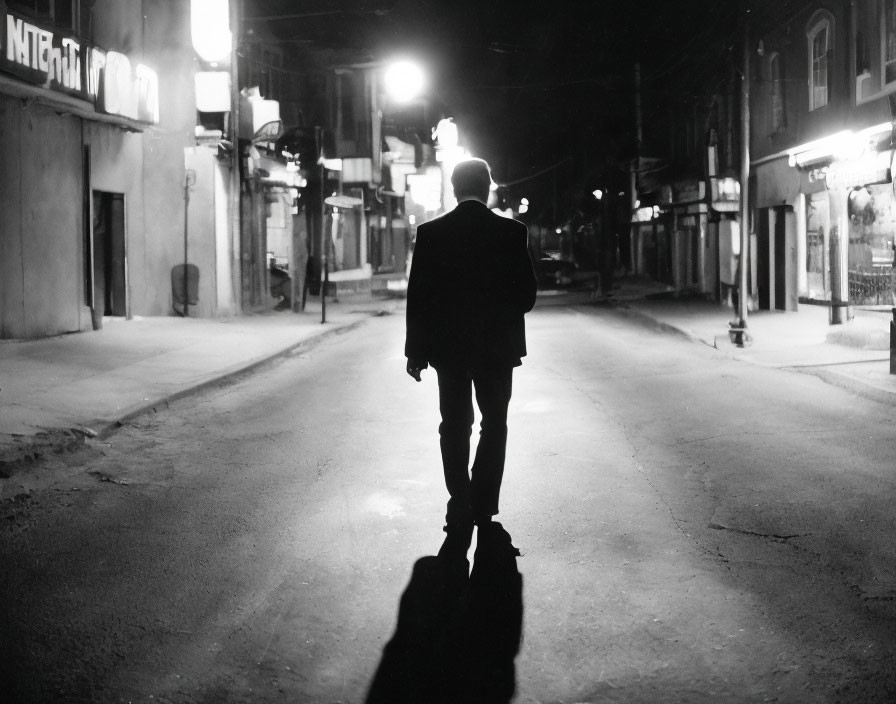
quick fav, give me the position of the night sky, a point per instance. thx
(530, 84)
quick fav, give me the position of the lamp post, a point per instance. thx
(404, 81)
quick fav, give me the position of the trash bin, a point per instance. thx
(178, 281)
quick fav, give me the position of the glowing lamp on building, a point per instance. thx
(725, 194)
(210, 29)
(445, 133)
(404, 81)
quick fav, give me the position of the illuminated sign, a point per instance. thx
(725, 194)
(64, 64)
(646, 214)
(872, 168)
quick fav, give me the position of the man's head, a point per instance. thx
(472, 179)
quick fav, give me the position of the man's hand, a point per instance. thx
(415, 366)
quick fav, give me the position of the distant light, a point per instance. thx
(210, 29)
(445, 133)
(597, 193)
(412, 219)
(523, 208)
(524, 201)
(331, 165)
(404, 81)
(559, 231)
(212, 91)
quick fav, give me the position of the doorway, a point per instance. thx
(779, 239)
(771, 245)
(108, 254)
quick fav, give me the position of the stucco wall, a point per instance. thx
(168, 50)
(202, 231)
(41, 225)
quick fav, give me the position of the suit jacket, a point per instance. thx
(471, 282)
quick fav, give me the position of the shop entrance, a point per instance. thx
(771, 267)
(107, 249)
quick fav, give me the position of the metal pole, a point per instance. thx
(893, 342)
(634, 229)
(186, 236)
(235, 182)
(324, 274)
(744, 178)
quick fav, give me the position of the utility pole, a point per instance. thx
(740, 325)
(634, 248)
(322, 252)
(236, 215)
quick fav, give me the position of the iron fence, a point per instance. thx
(876, 286)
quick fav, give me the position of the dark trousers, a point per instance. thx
(474, 491)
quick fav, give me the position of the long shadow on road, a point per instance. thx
(457, 636)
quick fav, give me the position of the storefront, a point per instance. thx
(789, 257)
(91, 168)
(685, 201)
(651, 244)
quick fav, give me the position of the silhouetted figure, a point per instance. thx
(457, 636)
(471, 283)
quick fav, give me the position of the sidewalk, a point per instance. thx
(854, 355)
(56, 392)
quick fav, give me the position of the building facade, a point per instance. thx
(824, 212)
(96, 109)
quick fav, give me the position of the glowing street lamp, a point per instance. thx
(404, 81)
(210, 29)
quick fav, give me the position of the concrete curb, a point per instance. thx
(651, 322)
(23, 452)
(107, 427)
(825, 372)
(848, 383)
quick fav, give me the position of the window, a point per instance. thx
(62, 13)
(889, 41)
(776, 85)
(819, 57)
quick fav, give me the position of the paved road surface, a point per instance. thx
(692, 528)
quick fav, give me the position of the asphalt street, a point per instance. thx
(692, 528)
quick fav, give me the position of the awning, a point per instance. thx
(778, 183)
(65, 104)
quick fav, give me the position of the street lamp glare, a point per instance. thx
(404, 81)
(210, 29)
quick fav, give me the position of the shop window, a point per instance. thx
(819, 36)
(817, 233)
(61, 13)
(889, 40)
(776, 86)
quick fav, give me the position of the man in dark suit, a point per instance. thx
(471, 283)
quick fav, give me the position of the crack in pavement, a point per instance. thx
(755, 534)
